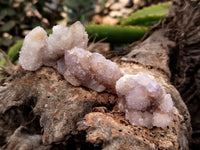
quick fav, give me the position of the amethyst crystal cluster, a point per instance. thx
(92, 70)
(143, 99)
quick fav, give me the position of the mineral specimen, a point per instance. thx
(33, 48)
(91, 70)
(64, 38)
(38, 49)
(144, 101)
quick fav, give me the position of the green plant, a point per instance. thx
(13, 53)
(116, 34)
(147, 16)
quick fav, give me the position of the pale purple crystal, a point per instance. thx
(105, 71)
(61, 65)
(91, 70)
(144, 101)
(78, 68)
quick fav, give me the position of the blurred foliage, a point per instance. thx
(17, 17)
(79, 9)
(115, 34)
(147, 16)
(13, 53)
(120, 34)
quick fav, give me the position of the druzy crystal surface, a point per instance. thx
(64, 38)
(91, 70)
(144, 101)
(38, 49)
(32, 51)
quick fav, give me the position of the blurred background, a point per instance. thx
(18, 17)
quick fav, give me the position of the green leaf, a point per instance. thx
(13, 52)
(6, 12)
(147, 15)
(7, 26)
(116, 34)
(10, 11)
(2, 61)
(3, 13)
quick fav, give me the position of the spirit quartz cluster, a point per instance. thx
(143, 99)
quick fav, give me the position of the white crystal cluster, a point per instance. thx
(62, 39)
(143, 99)
(38, 49)
(32, 51)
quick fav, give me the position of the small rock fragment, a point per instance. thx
(116, 6)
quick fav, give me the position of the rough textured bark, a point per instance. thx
(52, 111)
(40, 110)
(181, 31)
(183, 27)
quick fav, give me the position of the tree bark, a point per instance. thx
(183, 27)
(40, 110)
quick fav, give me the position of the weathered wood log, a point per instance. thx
(183, 27)
(40, 110)
(47, 105)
